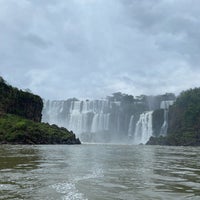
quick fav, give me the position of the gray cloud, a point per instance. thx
(92, 48)
(35, 40)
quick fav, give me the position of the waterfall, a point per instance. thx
(143, 130)
(110, 119)
(165, 105)
(130, 127)
(51, 112)
(100, 122)
(79, 116)
(96, 116)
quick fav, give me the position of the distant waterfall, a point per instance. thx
(130, 127)
(100, 122)
(51, 112)
(114, 119)
(165, 105)
(143, 130)
(79, 116)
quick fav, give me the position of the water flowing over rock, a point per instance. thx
(165, 105)
(79, 116)
(83, 116)
(143, 129)
(119, 118)
(131, 126)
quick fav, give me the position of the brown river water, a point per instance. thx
(98, 172)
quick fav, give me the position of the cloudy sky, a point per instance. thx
(92, 48)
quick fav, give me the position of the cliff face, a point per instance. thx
(20, 103)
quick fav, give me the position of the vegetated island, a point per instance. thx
(20, 120)
(183, 121)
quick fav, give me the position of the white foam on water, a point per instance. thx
(96, 173)
(69, 191)
(8, 187)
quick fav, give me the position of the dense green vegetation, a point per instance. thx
(20, 116)
(17, 130)
(19, 102)
(157, 121)
(184, 121)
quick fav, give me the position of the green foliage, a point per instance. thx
(187, 108)
(17, 130)
(21, 125)
(18, 102)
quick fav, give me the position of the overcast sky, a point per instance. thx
(92, 48)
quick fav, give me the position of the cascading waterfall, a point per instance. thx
(95, 117)
(80, 121)
(130, 127)
(100, 122)
(52, 114)
(143, 130)
(108, 120)
(79, 116)
(165, 105)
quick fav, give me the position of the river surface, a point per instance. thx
(98, 172)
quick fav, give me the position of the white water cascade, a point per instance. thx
(130, 127)
(51, 111)
(165, 105)
(100, 122)
(143, 130)
(79, 116)
(107, 120)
